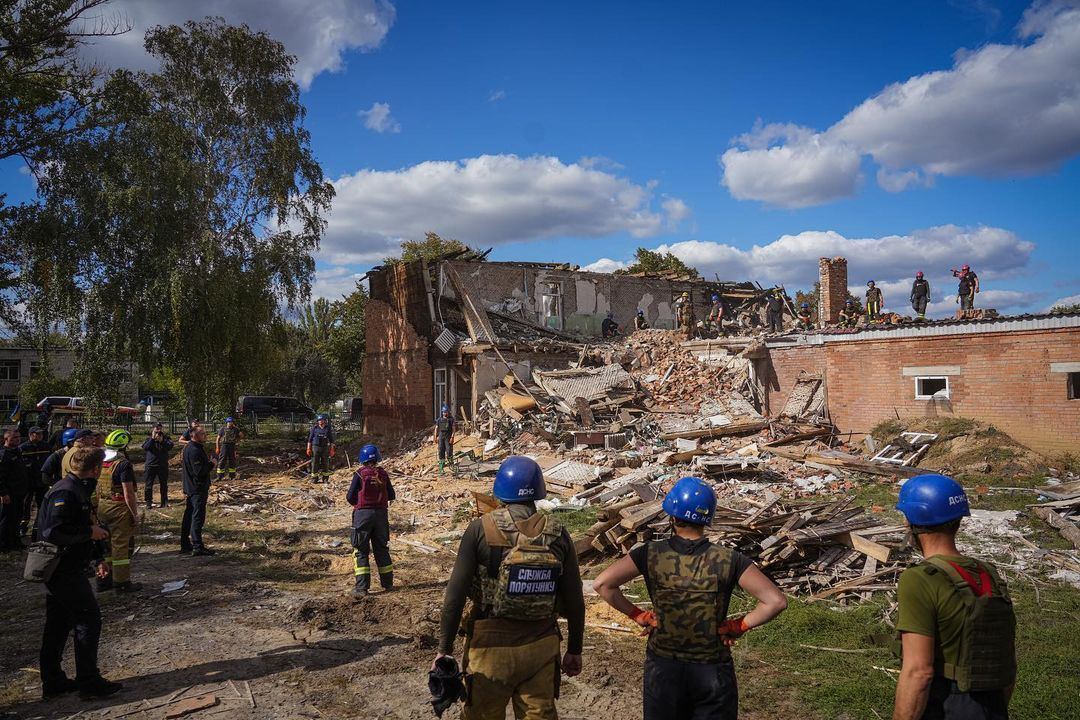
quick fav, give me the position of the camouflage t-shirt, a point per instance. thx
(229, 435)
(640, 555)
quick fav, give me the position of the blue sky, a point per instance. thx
(748, 139)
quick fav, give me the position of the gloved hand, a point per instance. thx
(333, 451)
(731, 630)
(308, 451)
(646, 619)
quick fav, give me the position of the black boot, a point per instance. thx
(360, 589)
(105, 584)
(58, 687)
(99, 687)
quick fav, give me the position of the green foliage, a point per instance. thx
(42, 384)
(317, 322)
(1073, 308)
(887, 429)
(175, 232)
(430, 248)
(346, 347)
(304, 370)
(647, 261)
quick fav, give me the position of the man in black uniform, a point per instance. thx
(444, 436)
(774, 311)
(156, 467)
(609, 328)
(14, 487)
(52, 468)
(920, 295)
(195, 470)
(34, 452)
(320, 448)
(70, 606)
(520, 570)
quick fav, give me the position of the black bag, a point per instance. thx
(41, 561)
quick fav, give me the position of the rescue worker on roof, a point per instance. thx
(445, 426)
(920, 295)
(34, 453)
(874, 301)
(227, 438)
(320, 448)
(118, 510)
(370, 494)
(520, 570)
(804, 320)
(609, 328)
(688, 667)
(640, 323)
(849, 315)
(956, 621)
(968, 286)
(774, 311)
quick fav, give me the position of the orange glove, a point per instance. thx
(333, 451)
(732, 630)
(646, 619)
(308, 451)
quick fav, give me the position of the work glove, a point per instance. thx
(445, 683)
(731, 630)
(308, 452)
(646, 619)
(333, 451)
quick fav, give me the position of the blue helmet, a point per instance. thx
(230, 419)
(519, 479)
(68, 436)
(369, 453)
(641, 313)
(691, 500)
(805, 305)
(715, 298)
(321, 416)
(932, 500)
(445, 408)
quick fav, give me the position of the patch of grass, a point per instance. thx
(888, 429)
(1066, 462)
(577, 519)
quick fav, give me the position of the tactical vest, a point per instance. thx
(690, 594)
(107, 485)
(522, 577)
(230, 435)
(987, 658)
(65, 463)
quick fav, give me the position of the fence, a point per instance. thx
(288, 426)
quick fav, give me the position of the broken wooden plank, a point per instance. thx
(866, 546)
(190, 705)
(1066, 527)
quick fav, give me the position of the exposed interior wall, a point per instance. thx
(1003, 378)
(397, 377)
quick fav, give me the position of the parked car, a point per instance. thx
(273, 406)
(352, 408)
(55, 402)
(154, 405)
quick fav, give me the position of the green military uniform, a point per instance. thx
(974, 661)
(849, 316)
(115, 514)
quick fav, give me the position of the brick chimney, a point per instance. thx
(833, 278)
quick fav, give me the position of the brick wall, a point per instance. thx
(834, 289)
(1004, 379)
(397, 377)
(778, 371)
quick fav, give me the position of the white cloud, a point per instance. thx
(1001, 110)
(676, 211)
(379, 119)
(1067, 300)
(604, 265)
(334, 282)
(317, 32)
(790, 166)
(497, 95)
(891, 261)
(484, 201)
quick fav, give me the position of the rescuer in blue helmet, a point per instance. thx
(320, 448)
(370, 493)
(956, 621)
(229, 435)
(517, 566)
(445, 426)
(690, 581)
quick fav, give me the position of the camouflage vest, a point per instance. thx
(690, 595)
(229, 435)
(107, 485)
(522, 577)
(988, 641)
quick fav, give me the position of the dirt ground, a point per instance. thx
(270, 613)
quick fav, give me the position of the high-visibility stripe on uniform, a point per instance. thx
(117, 561)
(365, 570)
(383, 569)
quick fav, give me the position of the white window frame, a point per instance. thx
(553, 295)
(933, 396)
(9, 367)
(441, 390)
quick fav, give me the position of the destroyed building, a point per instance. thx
(449, 330)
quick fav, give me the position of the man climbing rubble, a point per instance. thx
(609, 328)
(445, 426)
(320, 448)
(920, 295)
(520, 570)
(688, 667)
(956, 621)
(716, 314)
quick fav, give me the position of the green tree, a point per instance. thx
(1073, 308)
(183, 225)
(317, 322)
(346, 347)
(648, 261)
(431, 247)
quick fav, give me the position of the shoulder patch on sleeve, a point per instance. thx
(58, 503)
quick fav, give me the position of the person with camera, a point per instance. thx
(156, 467)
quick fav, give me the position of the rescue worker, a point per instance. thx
(640, 323)
(956, 621)
(684, 315)
(156, 467)
(968, 286)
(34, 453)
(56, 439)
(118, 510)
(804, 320)
(849, 315)
(370, 493)
(195, 467)
(874, 301)
(520, 570)
(227, 438)
(70, 605)
(52, 468)
(688, 667)
(14, 487)
(84, 437)
(445, 425)
(609, 328)
(320, 448)
(920, 295)
(774, 311)
(716, 314)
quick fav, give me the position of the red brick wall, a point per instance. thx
(778, 371)
(1005, 380)
(398, 382)
(832, 274)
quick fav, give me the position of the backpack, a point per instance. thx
(988, 640)
(522, 576)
